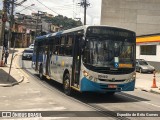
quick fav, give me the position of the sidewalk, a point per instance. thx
(144, 82)
(15, 76)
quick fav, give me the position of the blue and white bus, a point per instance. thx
(88, 58)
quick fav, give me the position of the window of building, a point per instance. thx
(56, 30)
(148, 49)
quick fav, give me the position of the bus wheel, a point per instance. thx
(41, 76)
(66, 85)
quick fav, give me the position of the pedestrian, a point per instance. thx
(3, 53)
(6, 56)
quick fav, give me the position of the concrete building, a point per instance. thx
(0, 27)
(22, 28)
(49, 27)
(141, 16)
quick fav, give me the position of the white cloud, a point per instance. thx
(67, 8)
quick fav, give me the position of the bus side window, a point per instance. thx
(56, 50)
(56, 45)
(68, 46)
(70, 40)
(61, 50)
(62, 41)
(68, 50)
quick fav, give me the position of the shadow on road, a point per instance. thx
(4, 77)
(88, 97)
(119, 97)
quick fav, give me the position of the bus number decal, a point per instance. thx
(102, 76)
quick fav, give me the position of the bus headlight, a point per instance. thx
(133, 77)
(90, 77)
(95, 79)
(85, 73)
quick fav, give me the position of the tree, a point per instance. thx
(64, 21)
(0, 12)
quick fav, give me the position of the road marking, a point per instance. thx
(140, 101)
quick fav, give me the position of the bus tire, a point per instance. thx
(41, 76)
(66, 85)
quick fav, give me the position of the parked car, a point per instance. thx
(31, 46)
(27, 54)
(143, 66)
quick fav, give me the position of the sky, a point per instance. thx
(69, 8)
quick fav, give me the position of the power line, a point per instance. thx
(31, 9)
(26, 8)
(47, 7)
(34, 8)
(62, 8)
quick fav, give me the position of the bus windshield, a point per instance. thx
(100, 52)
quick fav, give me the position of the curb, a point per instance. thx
(12, 84)
(21, 71)
(144, 89)
(155, 92)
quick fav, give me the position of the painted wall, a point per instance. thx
(141, 16)
(0, 27)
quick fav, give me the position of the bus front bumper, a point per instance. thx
(90, 86)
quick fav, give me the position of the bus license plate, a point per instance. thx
(112, 86)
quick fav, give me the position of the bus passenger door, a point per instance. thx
(48, 61)
(76, 62)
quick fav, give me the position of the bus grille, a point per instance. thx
(106, 80)
(112, 89)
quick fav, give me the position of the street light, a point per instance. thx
(26, 8)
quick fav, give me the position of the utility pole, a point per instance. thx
(11, 23)
(84, 4)
(4, 19)
(37, 23)
(4, 15)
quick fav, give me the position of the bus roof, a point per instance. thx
(41, 37)
(84, 27)
(67, 31)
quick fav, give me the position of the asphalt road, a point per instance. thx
(48, 95)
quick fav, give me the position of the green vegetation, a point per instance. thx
(64, 22)
(0, 12)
